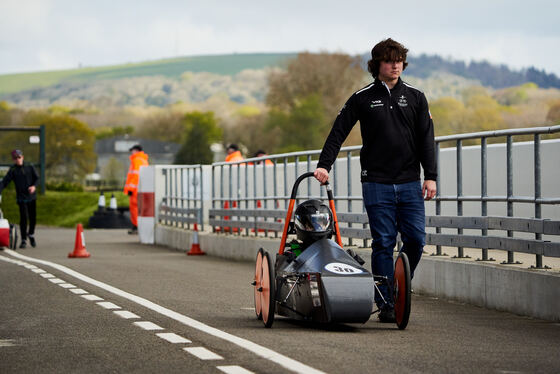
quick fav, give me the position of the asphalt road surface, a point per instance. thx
(133, 308)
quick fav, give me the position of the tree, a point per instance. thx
(113, 172)
(331, 76)
(166, 127)
(449, 116)
(554, 113)
(200, 131)
(305, 98)
(69, 146)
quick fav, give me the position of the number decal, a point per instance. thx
(344, 269)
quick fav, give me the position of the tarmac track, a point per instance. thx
(45, 327)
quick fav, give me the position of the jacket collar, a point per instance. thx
(381, 84)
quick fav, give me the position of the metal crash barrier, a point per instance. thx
(250, 197)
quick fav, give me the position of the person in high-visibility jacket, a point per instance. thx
(137, 159)
(233, 153)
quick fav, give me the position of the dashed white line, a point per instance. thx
(47, 275)
(38, 271)
(66, 285)
(234, 369)
(78, 291)
(266, 353)
(125, 314)
(92, 297)
(173, 338)
(28, 266)
(108, 305)
(56, 280)
(203, 353)
(146, 325)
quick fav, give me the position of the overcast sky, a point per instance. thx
(40, 35)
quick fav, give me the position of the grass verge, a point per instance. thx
(60, 209)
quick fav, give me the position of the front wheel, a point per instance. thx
(268, 287)
(401, 290)
(257, 283)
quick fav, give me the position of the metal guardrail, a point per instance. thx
(251, 202)
(182, 203)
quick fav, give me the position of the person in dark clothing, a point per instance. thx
(25, 178)
(398, 137)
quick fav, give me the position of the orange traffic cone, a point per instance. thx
(80, 245)
(195, 247)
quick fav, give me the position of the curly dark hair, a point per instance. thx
(386, 50)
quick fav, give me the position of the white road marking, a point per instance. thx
(252, 309)
(47, 275)
(92, 297)
(171, 337)
(203, 353)
(56, 280)
(28, 266)
(234, 369)
(78, 291)
(38, 271)
(125, 314)
(147, 325)
(66, 285)
(266, 353)
(7, 343)
(108, 305)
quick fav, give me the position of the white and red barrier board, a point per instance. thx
(4, 233)
(146, 205)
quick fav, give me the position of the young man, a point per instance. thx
(25, 178)
(137, 159)
(398, 136)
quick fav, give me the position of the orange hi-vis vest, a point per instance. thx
(136, 161)
(235, 156)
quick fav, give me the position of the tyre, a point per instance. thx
(257, 283)
(268, 291)
(401, 290)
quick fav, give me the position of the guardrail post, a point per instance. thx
(538, 212)
(484, 192)
(509, 160)
(438, 194)
(459, 156)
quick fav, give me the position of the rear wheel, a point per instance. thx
(267, 294)
(401, 289)
(257, 283)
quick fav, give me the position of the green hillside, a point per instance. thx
(173, 68)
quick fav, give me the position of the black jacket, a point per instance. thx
(397, 133)
(24, 177)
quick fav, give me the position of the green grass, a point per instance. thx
(219, 64)
(61, 209)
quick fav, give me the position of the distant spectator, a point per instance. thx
(233, 153)
(137, 159)
(25, 178)
(261, 153)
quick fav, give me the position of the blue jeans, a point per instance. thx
(392, 208)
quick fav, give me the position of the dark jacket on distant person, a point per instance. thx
(24, 176)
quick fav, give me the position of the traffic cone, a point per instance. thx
(195, 247)
(101, 202)
(80, 245)
(113, 202)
